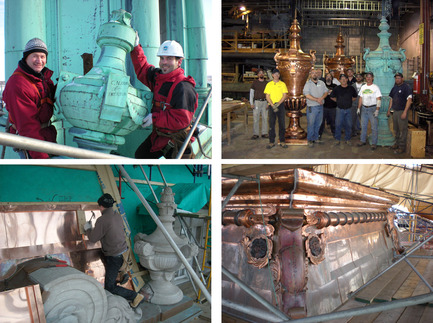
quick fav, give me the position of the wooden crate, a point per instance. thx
(416, 140)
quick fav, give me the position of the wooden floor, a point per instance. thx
(398, 283)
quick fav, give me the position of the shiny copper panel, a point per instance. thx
(293, 271)
(329, 239)
(29, 231)
(22, 305)
(340, 63)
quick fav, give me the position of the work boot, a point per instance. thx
(265, 136)
(137, 300)
(348, 142)
(373, 147)
(124, 280)
(254, 137)
(399, 151)
(395, 146)
(337, 143)
(361, 143)
(311, 144)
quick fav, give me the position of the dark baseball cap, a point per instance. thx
(398, 74)
(275, 70)
(369, 73)
(343, 75)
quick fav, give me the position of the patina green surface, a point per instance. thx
(384, 63)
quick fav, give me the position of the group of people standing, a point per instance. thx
(348, 103)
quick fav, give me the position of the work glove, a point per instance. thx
(376, 113)
(275, 107)
(87, 225)
(147, 121)
(137, 39)
(358, 112)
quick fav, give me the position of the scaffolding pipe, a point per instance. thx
(266, 316)
(253, 294)
(232, 192)
(194, 126)
(166, 235)
(419, 275)
(150, 186)
(12, 140)
(382, 307)
(162, 176)
(394, 264)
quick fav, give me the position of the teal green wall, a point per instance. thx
(172, 174)
(22, 183)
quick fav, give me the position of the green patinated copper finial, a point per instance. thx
(121, 16)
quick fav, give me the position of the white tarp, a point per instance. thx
(397, 179)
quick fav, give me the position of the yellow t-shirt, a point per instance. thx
(276, 90)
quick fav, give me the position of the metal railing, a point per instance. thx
(25, 143)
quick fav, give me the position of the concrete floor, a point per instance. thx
(243, 147)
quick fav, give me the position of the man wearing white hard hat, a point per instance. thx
(174, 101)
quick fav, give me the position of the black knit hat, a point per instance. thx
(106, 200)
(35, 45)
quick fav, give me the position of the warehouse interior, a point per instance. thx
(51, 272)
(327, 243)
(252, 33)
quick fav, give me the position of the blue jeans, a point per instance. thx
(314, 121)
(343, 120)
(112, 266)
(281, 114)
(367, 115)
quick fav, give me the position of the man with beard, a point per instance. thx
(259, 105)
(328, 107)
(355, 118)
(174, 101)
(400, 102)
(315, 91)
(351, 79)
(344, 95)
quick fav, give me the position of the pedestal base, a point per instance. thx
(294, 130)
(165, 293)
(180, 312)
(296, 142)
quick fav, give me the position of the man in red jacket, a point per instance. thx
(174, 101)
(29, 97)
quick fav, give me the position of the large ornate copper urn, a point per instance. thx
(339, 63)
(295, 66)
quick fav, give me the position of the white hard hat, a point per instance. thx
(170, 48)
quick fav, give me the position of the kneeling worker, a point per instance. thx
(109, 229)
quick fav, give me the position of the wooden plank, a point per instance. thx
(367, 318)
(412, 314)
(408, 287)
(422, 288)
(427, 315)
(386, 294)
(370, 292)
(351, 303)
(390, 316)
